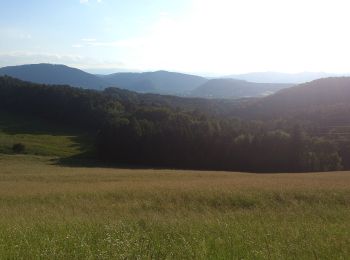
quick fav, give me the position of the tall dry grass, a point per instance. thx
(50, 211)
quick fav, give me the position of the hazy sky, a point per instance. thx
(198, 36)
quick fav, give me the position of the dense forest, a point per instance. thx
(165, 131)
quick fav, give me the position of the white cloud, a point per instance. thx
(129, 43)
(88, 1)
(14, 33)
(88, 40)
(77, 46)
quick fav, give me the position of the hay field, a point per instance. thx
(58, 212)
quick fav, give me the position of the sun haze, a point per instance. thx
(196, 36)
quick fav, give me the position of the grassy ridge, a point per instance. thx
(50, 211)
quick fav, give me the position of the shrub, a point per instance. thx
(18, 148)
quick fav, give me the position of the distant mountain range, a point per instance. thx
(162, 82)
(151, 82)
(54, 74)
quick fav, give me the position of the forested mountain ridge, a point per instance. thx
(135, 130)
(147, 82)
(54, 74)
(156, 82)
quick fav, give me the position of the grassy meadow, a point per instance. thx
(41, 137)
(52, 210)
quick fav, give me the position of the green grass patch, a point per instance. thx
(41, 137)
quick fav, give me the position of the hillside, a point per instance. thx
(233, 88)
(324, 100)
(156, 82)
(54, 74)
(212, 107)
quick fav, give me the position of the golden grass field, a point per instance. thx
(50, 211)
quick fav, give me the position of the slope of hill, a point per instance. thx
(277, 77)
(156, 82)
(233, 88)
(54, 74)
(326, 100)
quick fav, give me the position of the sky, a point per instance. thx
(216, 37)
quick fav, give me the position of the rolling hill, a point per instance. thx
(54, 74)
(156, 82)
(233, 88)
(324, 100)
